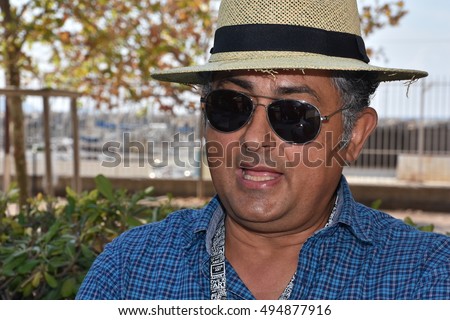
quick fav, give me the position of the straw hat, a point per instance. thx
(286, 34)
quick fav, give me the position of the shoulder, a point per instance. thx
(395, 238)
(400, 260)
(177, 229)
(380, 226)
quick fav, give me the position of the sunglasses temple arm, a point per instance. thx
(327, 118)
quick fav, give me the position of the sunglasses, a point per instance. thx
(294, 121)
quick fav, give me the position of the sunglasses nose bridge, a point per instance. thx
(258, 126)
(257, 102)
(264, 106)
(255, 110)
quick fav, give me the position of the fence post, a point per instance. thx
(421, 138)
(7, 149)
(76, 182)
(47, 142)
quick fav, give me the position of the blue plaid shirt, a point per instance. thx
(363, 254)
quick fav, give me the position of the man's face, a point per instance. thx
(265, 183)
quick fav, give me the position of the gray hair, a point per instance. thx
(355, 90)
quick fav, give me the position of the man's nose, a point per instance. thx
(258, 133)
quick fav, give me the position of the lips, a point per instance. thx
(259, 176)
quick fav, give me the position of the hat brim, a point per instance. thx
(201, 74)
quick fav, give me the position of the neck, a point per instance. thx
(269, 256)
(240, 237)
(259, 256)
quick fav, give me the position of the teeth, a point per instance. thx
(257, 178)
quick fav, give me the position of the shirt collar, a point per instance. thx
(346, 214)
(208, 220)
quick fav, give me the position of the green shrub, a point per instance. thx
(47, 248)
(426, 228)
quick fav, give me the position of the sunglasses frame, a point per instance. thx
(322, 119)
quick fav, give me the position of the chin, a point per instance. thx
(256, 211)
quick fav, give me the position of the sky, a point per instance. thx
(421, 41)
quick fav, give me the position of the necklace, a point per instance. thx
(218, 280)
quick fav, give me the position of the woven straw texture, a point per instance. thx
(335, 15)
(330, 15)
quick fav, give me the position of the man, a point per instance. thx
(286, 95)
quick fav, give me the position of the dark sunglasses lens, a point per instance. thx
(294, 121)
(227, 110)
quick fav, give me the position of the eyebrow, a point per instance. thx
(244, 84)
(280, 91)
(286, 90)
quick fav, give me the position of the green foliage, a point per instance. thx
(104, 49)
(376, 204)
(47, 249)
(427, 228)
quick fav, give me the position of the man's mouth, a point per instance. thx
(259, 176)
(259, 173)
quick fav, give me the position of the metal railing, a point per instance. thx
(411, 142)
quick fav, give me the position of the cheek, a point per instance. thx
(321, 153)
(220, 149)
(312, 155)
(327, 147)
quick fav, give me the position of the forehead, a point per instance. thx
(279, 82)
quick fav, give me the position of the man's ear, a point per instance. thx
(364, 126)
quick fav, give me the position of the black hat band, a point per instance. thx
(274, 37)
